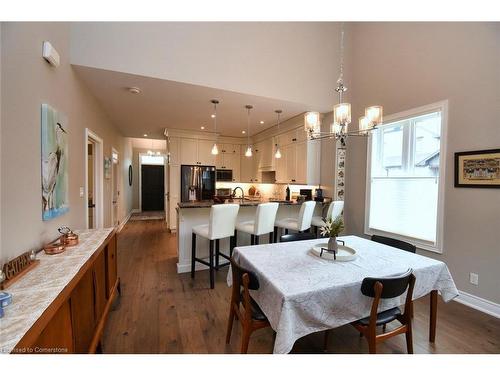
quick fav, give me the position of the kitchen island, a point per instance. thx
(191, 214)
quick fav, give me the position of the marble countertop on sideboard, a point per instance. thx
(37, 289)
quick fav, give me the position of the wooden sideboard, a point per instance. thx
(74, 321)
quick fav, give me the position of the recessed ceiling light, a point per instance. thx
(261, 121)
(213, 116)
(243, 132)
(145, 135)
(202, 128)
(134, 90)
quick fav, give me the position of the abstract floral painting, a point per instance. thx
(54, 163)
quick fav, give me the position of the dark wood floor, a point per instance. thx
(163, 312)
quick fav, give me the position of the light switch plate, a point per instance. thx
(474, 278)
(82, 191)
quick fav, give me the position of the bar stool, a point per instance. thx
(334, 211)
(263, 223)
(221, 224)
(300, 224)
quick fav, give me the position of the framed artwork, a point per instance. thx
(54, 157)
(478, 169)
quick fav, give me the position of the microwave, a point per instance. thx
(225, 175)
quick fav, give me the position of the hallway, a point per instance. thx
(163, 312)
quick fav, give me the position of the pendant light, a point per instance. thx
(248, 152)
(215, 149)
(277, 154)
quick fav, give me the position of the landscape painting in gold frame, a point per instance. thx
(478, 169)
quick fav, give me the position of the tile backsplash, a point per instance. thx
(267, 191)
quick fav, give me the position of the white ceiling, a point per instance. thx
(168, 104)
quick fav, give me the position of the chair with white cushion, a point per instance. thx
(263, 223)
(299, 224)
(334, 211)
(221, 224)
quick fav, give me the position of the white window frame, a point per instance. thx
(437, 247)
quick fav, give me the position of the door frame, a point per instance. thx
(140, 177)
(98, 178)
(113, 177)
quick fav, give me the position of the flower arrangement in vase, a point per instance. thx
(332, 229)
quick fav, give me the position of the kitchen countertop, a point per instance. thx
(33, 293)
(210, 203)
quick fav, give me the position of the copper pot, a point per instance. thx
(56, 247)
(70, 239)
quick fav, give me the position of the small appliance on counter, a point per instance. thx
(222, 194)
(319, 195)
(307, 193)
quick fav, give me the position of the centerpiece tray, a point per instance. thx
(344, 253)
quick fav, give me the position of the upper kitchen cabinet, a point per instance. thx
(229, 158)
(196, 151)
(299, 162)
(173, 150)
(264, 157)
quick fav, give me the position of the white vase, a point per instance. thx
(332, 244)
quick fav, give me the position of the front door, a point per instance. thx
(153, 187)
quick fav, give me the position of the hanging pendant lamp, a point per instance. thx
(215, 149)
(248, 152)
(277, 154)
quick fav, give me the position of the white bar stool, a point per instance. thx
(300, 224)
(221, 224)
(334, 211)
(263, 223)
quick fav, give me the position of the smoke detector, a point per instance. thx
(134, 90)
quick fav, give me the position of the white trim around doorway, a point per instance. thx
(98, 180)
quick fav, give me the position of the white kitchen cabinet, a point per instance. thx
(291, 162)
(189, 151)
(174, 187)
(173, 150)
(299, 163)
(196, 151)
(280, 167)
(256, 161)
(205, 156)
(265, 157)
(246, 171)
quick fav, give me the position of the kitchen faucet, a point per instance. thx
(242, 192)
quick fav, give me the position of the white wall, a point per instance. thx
(27, 82)
(406, 65)
(286, 60)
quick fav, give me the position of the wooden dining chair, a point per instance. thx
(243, 306)
(395, 243)
(297, 237)
(385, 288)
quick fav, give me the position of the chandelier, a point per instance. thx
(342, 113)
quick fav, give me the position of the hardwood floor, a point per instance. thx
(163, 312)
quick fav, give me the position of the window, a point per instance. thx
(152, 160)
(405, 177)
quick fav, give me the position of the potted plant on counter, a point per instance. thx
(332, 229)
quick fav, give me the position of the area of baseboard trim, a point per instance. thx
(122, 224)
(478, 303)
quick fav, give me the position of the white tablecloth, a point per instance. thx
(301, 293)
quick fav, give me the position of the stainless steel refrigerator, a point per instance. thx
(197, 183)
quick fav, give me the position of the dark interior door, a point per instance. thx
(153, 187)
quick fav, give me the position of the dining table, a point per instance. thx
(301, 293)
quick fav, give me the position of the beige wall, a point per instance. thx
(294, 61)
(406, 65)
(27, 82)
